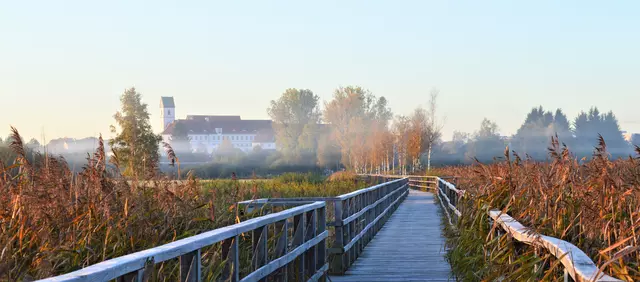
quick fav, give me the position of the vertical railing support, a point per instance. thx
(338, 260)
(230, 253)
(311, 254)
(190, 267)
(321, 257)
(282, 228)
(297, 271)
(259, 246)
(135, 276)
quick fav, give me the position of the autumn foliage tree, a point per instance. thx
(355, 116)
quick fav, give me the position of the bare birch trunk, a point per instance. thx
(429, 158)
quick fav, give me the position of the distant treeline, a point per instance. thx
(355, 131)
(533, 138)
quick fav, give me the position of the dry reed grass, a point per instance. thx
(594, 204)
(53, 221)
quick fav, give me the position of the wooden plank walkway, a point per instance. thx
(409, 247)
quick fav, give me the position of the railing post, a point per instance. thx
(135, 276)
(350, 231)
(190, 267)
(230, 253)
(321, 256)
(259, 247)
(311, 254)
(361, 224)
(369, 217)
(282, 247)
(297, 272)
(337, 262)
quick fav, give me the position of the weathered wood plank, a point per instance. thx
(408, 247)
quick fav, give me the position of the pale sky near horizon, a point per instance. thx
(64, 64)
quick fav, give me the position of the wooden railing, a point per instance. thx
(576, 263)
(423, 183)
(359, 216)
(355, 217)
(302, 258)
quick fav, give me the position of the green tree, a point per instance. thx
(533, 137)
(635, 139)
(294, 115)
(561, 121)
(33, 144)
(136, 146)
(486, 143)
(7, 140)
(587, 127)
(308, 145)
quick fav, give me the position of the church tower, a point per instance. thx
(167, 111)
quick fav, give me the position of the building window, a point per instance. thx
(168, 112)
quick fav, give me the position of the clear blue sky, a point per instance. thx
(63, 64)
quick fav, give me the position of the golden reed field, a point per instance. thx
(53, 221)
(594, 204)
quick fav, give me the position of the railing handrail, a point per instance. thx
(575, 262)
(120, 266)
(301, 200)
(364, 190)
(358, 216)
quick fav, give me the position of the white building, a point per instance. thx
(207, 133)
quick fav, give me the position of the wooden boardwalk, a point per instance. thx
(409, 247)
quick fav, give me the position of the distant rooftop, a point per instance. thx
(227, 126)
(212, 118)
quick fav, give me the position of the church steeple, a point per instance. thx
(167, 111)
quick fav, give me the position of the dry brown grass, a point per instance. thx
(594, 204)
(53, 221)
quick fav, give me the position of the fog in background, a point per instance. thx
(357, 130)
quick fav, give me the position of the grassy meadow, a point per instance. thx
(594, 204)
(54, 221)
